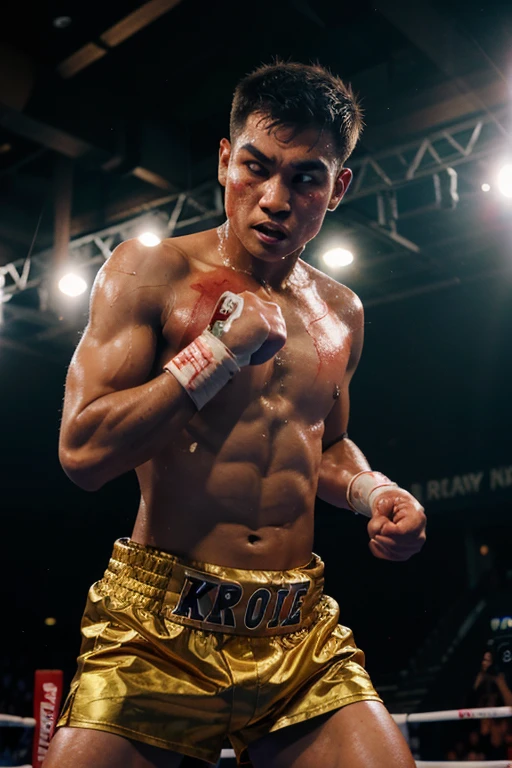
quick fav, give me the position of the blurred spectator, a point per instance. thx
(490, 689)
(476, 746)
(508, 741)
(457, 752)
(489, 738)
(16, 686)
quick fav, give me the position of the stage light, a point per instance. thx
(72, 285)
(505, 180)
(338, 257)
(486, 187)
(149, 239)
(62, 22)
(50, 621)
(484, 550)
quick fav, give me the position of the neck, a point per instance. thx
(270, 274)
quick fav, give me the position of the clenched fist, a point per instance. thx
(257, 333)
(397, 526)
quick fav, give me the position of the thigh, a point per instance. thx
(360, 735)
(84, 747)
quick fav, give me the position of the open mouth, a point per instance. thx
(270, 233)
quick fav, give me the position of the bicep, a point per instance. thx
(336, 422)
(101, 366)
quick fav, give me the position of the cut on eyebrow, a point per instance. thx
(301, 165)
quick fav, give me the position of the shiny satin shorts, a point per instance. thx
(186, 655)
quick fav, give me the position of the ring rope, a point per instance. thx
(478, 713)
(464, 764)
(14, 720)
(400, 719)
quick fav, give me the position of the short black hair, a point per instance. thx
(300, 95)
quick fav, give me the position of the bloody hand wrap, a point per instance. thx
(206, 365)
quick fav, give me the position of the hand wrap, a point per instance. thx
(206, 365)
(364, 488)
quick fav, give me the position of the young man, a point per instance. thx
(218, 365)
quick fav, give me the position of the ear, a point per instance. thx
(341, 185)
(224, 155)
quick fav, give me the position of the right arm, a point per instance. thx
(115, 418)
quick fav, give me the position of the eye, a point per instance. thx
(305, 178)
(256, 168)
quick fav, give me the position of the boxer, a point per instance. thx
(217, 366)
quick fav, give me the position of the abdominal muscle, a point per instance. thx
(245, 501)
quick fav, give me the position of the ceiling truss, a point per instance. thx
(379, 176)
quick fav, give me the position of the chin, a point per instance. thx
(268, 256)
(272, 253)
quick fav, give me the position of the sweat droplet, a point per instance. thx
(192, 447)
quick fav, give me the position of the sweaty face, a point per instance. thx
(278, 186)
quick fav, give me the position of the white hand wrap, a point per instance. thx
(364, 488)
(203, 368)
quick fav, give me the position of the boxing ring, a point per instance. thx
(37, 731)
(442, 716)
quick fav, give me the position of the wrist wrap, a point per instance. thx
(203, 368)
(364, 488)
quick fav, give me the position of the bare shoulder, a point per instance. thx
(198, 249)
(139, 281)
(132, 259)
(340, 299)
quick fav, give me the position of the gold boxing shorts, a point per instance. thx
(185, 655)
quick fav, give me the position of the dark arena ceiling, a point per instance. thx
(111, 114)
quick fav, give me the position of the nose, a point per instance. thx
(275, 197)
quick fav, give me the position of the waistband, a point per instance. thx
(214, 597)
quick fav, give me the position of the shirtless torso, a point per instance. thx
(233, 481)
(235, 485)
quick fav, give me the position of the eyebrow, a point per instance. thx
(310, 165)
(302, 165)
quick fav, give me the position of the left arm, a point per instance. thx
(397, 520)
(341, 458)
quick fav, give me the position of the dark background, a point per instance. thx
(431, 398)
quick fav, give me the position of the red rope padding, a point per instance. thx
(47, 697)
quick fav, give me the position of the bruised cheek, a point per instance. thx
(236, 194)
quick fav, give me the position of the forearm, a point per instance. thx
(122, 430)
(339, 465)
(504, 690)
(396, 527)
